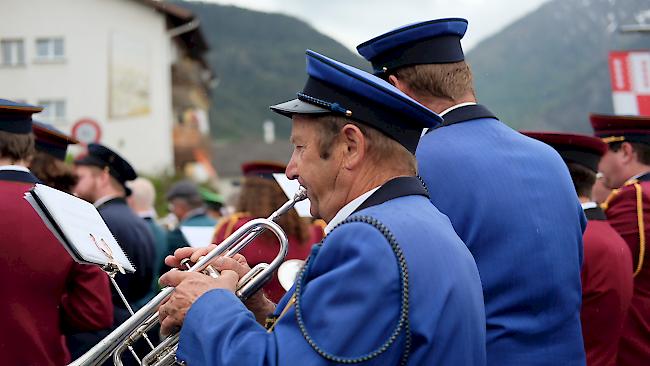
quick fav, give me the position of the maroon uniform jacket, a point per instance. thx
(265, 248)
(622, 212)
(44, 292)
(606, 289)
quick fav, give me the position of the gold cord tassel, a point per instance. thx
(641, 224)
(275, 321)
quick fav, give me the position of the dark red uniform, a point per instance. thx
(44, 292)
(606, 289)
(623, 209)
(265, 248)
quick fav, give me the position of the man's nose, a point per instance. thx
(292, 170)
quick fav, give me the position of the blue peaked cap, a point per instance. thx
(102, 157)
(431, 42)
(335, 88)
(16, 117)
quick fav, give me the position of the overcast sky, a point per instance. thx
(354, 21)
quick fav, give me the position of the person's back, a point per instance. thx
(36, 271)
(445, 313)
(511, 201)
(447, 329)
(626, 170)
(45, 293)
(509, 198)
(607, 263)
(607, 288)
(133, 235)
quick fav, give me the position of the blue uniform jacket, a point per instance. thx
(511, 200)
(158, 263)
(160, 248)
(136, 239)
(350, 300)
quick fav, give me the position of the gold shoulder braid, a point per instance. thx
(639, 216)
(641, 224)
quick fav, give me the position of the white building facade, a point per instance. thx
(108, 61)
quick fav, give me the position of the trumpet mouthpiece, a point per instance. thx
(300, 195)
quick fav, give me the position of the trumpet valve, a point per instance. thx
(186, 263)
(210, 271)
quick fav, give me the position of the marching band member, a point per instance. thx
(45, 293)
(391, 283)
(102, 175)
(626, 170)
(607, 265)
(509, 198)
(48, 163)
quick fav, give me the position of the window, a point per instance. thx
(53, 111)
(13, 52)
(49, 49)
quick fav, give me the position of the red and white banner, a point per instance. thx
(630, 77)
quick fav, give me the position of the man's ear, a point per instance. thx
(354, 146)
(105, 176)
(392, 79)
(628, 152)
(402, 86)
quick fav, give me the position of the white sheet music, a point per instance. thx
(290, 187)
(79, 227)
(198, 236)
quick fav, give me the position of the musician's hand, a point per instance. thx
(258, 304)
(194, 254)
(189, 287)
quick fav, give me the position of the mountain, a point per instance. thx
(260, 60)
(548, 70)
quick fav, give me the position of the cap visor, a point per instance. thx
(297, 106)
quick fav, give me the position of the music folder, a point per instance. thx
(79, 227)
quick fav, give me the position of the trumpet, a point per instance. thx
(134, 328)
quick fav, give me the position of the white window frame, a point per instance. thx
(50, 54)
(54, 111)
(17, 47)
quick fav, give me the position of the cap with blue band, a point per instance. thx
(335, 88)
(431, 42)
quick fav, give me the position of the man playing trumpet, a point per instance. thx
(391, 283)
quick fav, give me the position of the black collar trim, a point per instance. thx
(115, 200)
(644, 178)
(464, 114)
(394, 188)
(18, 176)
(595, 214)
